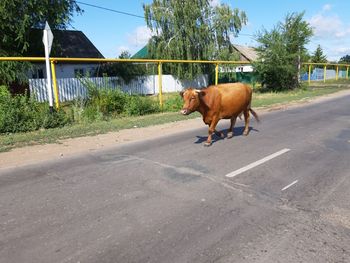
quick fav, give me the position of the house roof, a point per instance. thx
(248, 53)
(66, 43)
(142, 53)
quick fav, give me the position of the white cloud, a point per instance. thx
(340, 51)
(332, 32)
(139, 37)
(326, 7)
(329, 26)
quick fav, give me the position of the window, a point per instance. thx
(79, 72)
(38, 73)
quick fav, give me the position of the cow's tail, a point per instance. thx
(254, 114)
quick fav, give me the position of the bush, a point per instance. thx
(21, 114)
(140, 105)
(105, 100)
(173, 103)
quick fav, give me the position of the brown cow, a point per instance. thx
(223, 101)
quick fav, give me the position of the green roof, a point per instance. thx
(142, 53)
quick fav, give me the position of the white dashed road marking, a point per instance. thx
(254, 164)
(291, 184)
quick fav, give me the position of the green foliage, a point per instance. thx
(127, 71)
(141, 105)
(11, 71)
(281, 51)
(318, 56)
(103, 103)
(106, 100)
(345, 59)
(92, 113)
(17, 18)
(21, 113)
(191, 30)
(173, 103)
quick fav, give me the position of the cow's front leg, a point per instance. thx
(230, 130)
(212, 126)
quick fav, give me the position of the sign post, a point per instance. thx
(47, 40)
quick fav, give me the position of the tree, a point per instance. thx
(191, 30)
(345, 59)
(127, 71)
(318, 56)
(18, 17)
(281, 51)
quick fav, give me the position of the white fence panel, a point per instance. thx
(73, 88)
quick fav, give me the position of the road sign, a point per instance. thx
(48, 36)
(47, 40)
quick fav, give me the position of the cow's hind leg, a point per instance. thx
(246, 120)
(219, 133)
(230, 130)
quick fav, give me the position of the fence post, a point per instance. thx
(347, 72)
(324, 73)
(54, 82)
(309, 74)
(160, 88)
(216, 74)
(336, 74)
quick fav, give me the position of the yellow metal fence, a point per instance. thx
(325, 66)
(158, 62)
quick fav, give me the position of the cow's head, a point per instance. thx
(191, 99)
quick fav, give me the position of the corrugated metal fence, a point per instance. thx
(318, 74)
(73, 88)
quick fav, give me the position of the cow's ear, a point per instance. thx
(200, 93)
(181, 94)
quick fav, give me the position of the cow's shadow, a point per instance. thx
(237, 131)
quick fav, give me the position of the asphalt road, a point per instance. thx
(169, 200)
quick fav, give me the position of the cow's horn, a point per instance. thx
(197, 90)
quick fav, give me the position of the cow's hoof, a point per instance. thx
(207, 144)
(229, 135)
(245, 133)
(222, 135)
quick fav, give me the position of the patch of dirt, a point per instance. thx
(70, 147)
(338, 217)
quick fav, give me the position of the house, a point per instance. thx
(66, 44)
(246, 53)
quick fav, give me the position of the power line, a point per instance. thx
(111, 10)
(133, 15)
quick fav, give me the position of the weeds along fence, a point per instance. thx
(73, 88)
(159, 62)
(64, 89)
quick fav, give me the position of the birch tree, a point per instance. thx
(192, 30)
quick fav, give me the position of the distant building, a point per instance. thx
(66, 44)
(246, 53)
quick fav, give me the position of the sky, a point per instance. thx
(112, 32)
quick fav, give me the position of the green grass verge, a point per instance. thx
(9, 141)
(273, 98)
